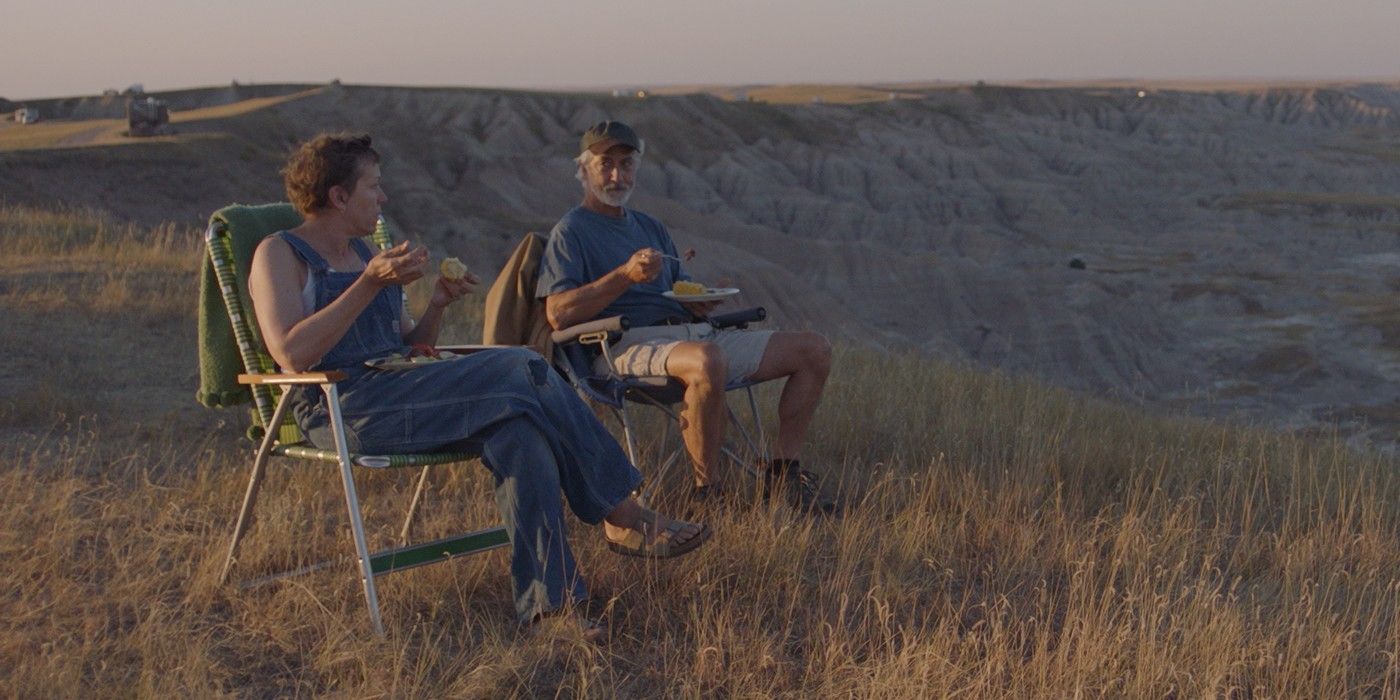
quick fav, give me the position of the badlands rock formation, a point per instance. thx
(1234, 251)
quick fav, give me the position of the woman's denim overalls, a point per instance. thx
(532, 431)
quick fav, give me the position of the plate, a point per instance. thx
(711, 294)
(397, 362)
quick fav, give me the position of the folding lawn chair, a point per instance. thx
(232, 236)
(575, 350)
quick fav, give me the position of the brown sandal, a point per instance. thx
(636, 545)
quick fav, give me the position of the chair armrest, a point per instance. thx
(739, 319)
(293, 378)
(603, 325)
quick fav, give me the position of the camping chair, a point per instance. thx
(231, 237)
(575, 349)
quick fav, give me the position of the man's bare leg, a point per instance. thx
(701, 367)
(804, 358)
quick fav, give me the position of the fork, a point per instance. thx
(672, 257)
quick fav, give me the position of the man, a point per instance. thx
(604, 259)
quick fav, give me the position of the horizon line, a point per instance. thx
(1114, 81)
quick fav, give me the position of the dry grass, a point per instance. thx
(35, 236)
(60, 133)
(63, 133)
(1003, 539)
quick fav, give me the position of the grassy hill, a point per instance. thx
(1004, 538)
(1234, 243)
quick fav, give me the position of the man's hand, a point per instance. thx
(701, 309)
(398, 265)
(447, 291)
(643, 266)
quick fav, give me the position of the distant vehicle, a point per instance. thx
(148, 117)
(26, 115)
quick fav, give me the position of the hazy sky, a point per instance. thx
(68, 47)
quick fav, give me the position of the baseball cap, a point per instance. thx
(606, 134)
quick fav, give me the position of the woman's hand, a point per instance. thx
(447, 291)
(398, 265)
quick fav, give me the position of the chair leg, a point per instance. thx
(631, 442)
(627, 432)
(413, 507)
(250, 496)
(678, 455)
(352, 504)
(762, 442)
(755, 441)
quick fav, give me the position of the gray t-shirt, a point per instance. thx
(586, 245)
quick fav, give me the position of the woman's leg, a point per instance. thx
(594, 472)
(537, 437)
(543, 570)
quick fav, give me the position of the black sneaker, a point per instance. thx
(802, 488)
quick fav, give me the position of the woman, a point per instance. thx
(326, 301)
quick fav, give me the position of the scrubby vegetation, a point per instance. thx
(1002, 538)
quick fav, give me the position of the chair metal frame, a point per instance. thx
(615, 391)
(282, 438)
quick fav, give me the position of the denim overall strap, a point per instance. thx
(362, 249)
(375, 332)
(314, 262)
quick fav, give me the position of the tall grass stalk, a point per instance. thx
(1001, 539)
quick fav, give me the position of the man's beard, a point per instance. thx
(615, 198)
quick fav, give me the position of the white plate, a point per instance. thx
(711, 294)
(401, 362)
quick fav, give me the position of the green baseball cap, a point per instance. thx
(606, 134)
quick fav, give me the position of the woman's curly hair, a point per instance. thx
(326, 161)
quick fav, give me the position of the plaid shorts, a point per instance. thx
(642, 352)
